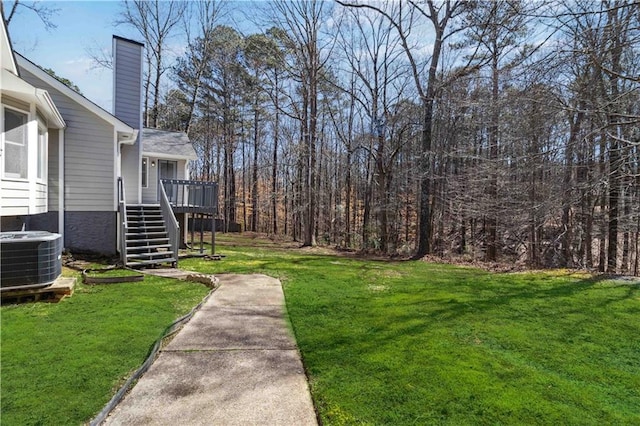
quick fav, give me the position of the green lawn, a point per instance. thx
(417, 343)
(61, 363)
(383, 342)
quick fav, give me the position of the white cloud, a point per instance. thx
(94, 83)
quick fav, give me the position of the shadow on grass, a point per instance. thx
(450, 333)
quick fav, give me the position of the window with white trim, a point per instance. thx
(16, 152)
(42, 152)
(145, 172)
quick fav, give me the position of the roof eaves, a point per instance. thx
(170, 156)
(54, 114)
(5, 31)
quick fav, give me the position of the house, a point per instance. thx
(31, 128)
(70, 167)
(165, 155)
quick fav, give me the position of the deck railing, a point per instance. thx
(190, 196)
(171, 223)
(124, 227)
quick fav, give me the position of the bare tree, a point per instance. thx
(40, 8)
(155, 21)
(402, 18)
(302, 21)
(603, 39)
(189, 70)
(374, 57)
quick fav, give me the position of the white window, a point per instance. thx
(145, 172)
(16, 153)
(42, 152)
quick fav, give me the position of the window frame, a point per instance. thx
(41, 152)
(144, 170)
(5, 174)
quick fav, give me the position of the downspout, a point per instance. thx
(61, 188)
(118, 180)
(117, 171)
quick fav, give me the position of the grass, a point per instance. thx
(417, 343)
(62, 362)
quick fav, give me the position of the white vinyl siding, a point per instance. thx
(88, 154)
(53, 169)
(41, 198)
(15, 103)
(18, 199)
(15, 198)
(21, 190)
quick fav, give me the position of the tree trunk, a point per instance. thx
(274, 166)
(492, 190)
(309, 234)
(567, 255)
(254, 171)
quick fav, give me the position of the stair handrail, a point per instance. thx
(171, 223)
(124, 227)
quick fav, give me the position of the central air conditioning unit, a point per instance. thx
(29, 259)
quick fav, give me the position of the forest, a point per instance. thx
(498, 131)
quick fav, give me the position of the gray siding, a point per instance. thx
(128, 108)
(90, 232)
(128, 82)
(89, 154)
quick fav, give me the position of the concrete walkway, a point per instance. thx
(234, 363)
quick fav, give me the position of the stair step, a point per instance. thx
(145, 223)
(147, 247)
(151, 240)
(143, 206)
(149, 256)
(143, 213)
(150, 262)
(141, 234)
(145, 228)
(148, 240)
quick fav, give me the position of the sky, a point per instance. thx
(84, 26)
(81, 25)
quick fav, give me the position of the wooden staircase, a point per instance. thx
(146, 238)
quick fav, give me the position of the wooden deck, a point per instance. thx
(190, 196)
